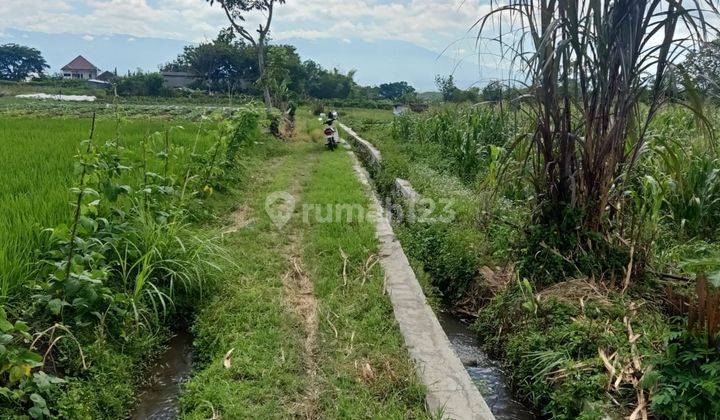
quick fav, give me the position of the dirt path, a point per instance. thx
(299, 292)
(302, 328)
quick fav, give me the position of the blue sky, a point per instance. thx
(430, 25)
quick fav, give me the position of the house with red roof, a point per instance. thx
(80, 68)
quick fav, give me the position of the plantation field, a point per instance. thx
(128, 109)
(550, 314)
(40, 169)
(143, 243)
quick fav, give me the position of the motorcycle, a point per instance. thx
(331, 134)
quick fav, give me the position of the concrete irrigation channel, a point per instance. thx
(450, 390)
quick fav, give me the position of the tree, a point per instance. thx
(224, 64)
(18, 62)
(451, 93)
(493, 92)
(703, 65)
(446, 86)
(142, 84)
(325, 84)
(395, 90)
(236, 12)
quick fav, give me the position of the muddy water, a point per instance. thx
(486, 373)
(159, 399)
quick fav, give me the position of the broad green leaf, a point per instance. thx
(5, 325)
(55, 306)
(18, 372)
(714, 279)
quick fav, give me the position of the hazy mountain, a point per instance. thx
(375, 62)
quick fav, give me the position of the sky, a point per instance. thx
(433, 29)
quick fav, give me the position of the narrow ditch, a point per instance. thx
(159, 397)
(485, 372)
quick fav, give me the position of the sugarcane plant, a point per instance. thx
(597, 73)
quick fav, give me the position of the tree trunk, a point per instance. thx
(263, 79)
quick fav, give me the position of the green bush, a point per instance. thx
(686, 379)
(446, 253)
(550, 345)
(143, 84)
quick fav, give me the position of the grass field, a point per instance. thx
(274, 371)
(346, 359)
(38, 173)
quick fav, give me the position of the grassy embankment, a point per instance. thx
(339, 355)
(552, 331)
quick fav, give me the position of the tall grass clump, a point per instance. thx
(113, 273)
(683, 159)
(597, 73)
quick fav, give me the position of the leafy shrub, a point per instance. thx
(446, 253)
(20, 387)
(143, 84)
(686, 379)
(274, 118)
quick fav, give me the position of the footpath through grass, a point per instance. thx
(301, 326)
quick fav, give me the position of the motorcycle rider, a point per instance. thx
(331, 134)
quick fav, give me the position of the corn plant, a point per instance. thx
(467, 134)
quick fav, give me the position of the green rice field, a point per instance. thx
(38, 172)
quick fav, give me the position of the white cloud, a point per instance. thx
(88, 37)
(434, 24)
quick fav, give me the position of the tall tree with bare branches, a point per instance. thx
(237, 12)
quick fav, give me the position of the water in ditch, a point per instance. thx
(485, 372)
(159, 399)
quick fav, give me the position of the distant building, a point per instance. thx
(80, 68)
(179, 79)
(107, 76)
(419, 107)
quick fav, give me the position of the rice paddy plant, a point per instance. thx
(37, 174)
